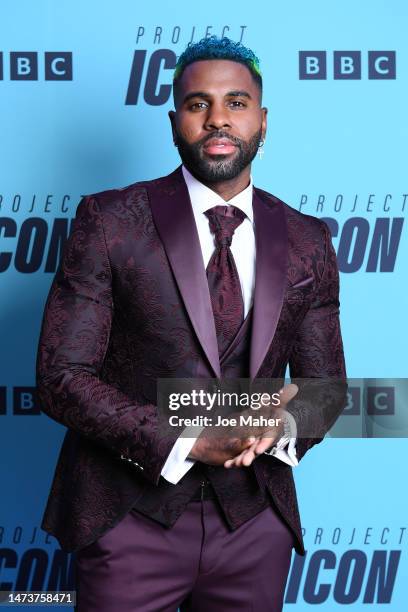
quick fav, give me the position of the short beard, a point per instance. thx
(218, 168)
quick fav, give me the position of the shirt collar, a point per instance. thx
(202, 197)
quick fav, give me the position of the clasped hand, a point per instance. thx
(234, 451)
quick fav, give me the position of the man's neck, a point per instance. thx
(228, 189)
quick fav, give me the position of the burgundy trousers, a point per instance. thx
(198, 565)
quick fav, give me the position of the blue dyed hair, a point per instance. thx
(213, 47)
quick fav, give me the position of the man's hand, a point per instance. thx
(265, 440)
(234, 451)
(217, 451)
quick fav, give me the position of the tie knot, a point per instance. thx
(223, 222)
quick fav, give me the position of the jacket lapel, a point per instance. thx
(270, 274)
(175, 223)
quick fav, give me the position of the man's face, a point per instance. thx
(218, 121)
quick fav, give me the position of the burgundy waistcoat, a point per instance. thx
(239, 494)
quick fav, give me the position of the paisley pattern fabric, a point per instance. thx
(130, 304)
(222, 274)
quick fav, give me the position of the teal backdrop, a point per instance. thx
(94, 116)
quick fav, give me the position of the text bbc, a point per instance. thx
(24, 66)
(348, 65)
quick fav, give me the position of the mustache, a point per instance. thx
(220, 134)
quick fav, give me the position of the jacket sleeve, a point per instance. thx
(317, 362)
(73, 342)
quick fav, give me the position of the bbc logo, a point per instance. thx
(24, 401)
(57, 66)
(377, 401)
(347, 65)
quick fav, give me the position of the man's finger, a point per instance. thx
(263, 445)
(248, 457)
(237, 460)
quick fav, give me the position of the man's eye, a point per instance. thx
(237, 103)
(196, 105)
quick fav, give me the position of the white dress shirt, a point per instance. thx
(243, 250)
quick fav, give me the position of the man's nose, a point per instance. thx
(217, 117)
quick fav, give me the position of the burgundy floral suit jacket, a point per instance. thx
(130, 303)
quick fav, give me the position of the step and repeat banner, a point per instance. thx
(85, 88)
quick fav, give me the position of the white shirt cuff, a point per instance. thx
(285, 448)
(177, 464)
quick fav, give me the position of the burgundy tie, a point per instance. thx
(222, 275)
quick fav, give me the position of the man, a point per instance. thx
(197, 274)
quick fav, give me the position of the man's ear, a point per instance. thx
(264, 124)
(172, 117)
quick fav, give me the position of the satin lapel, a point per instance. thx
(175, 223)
(270, 274)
